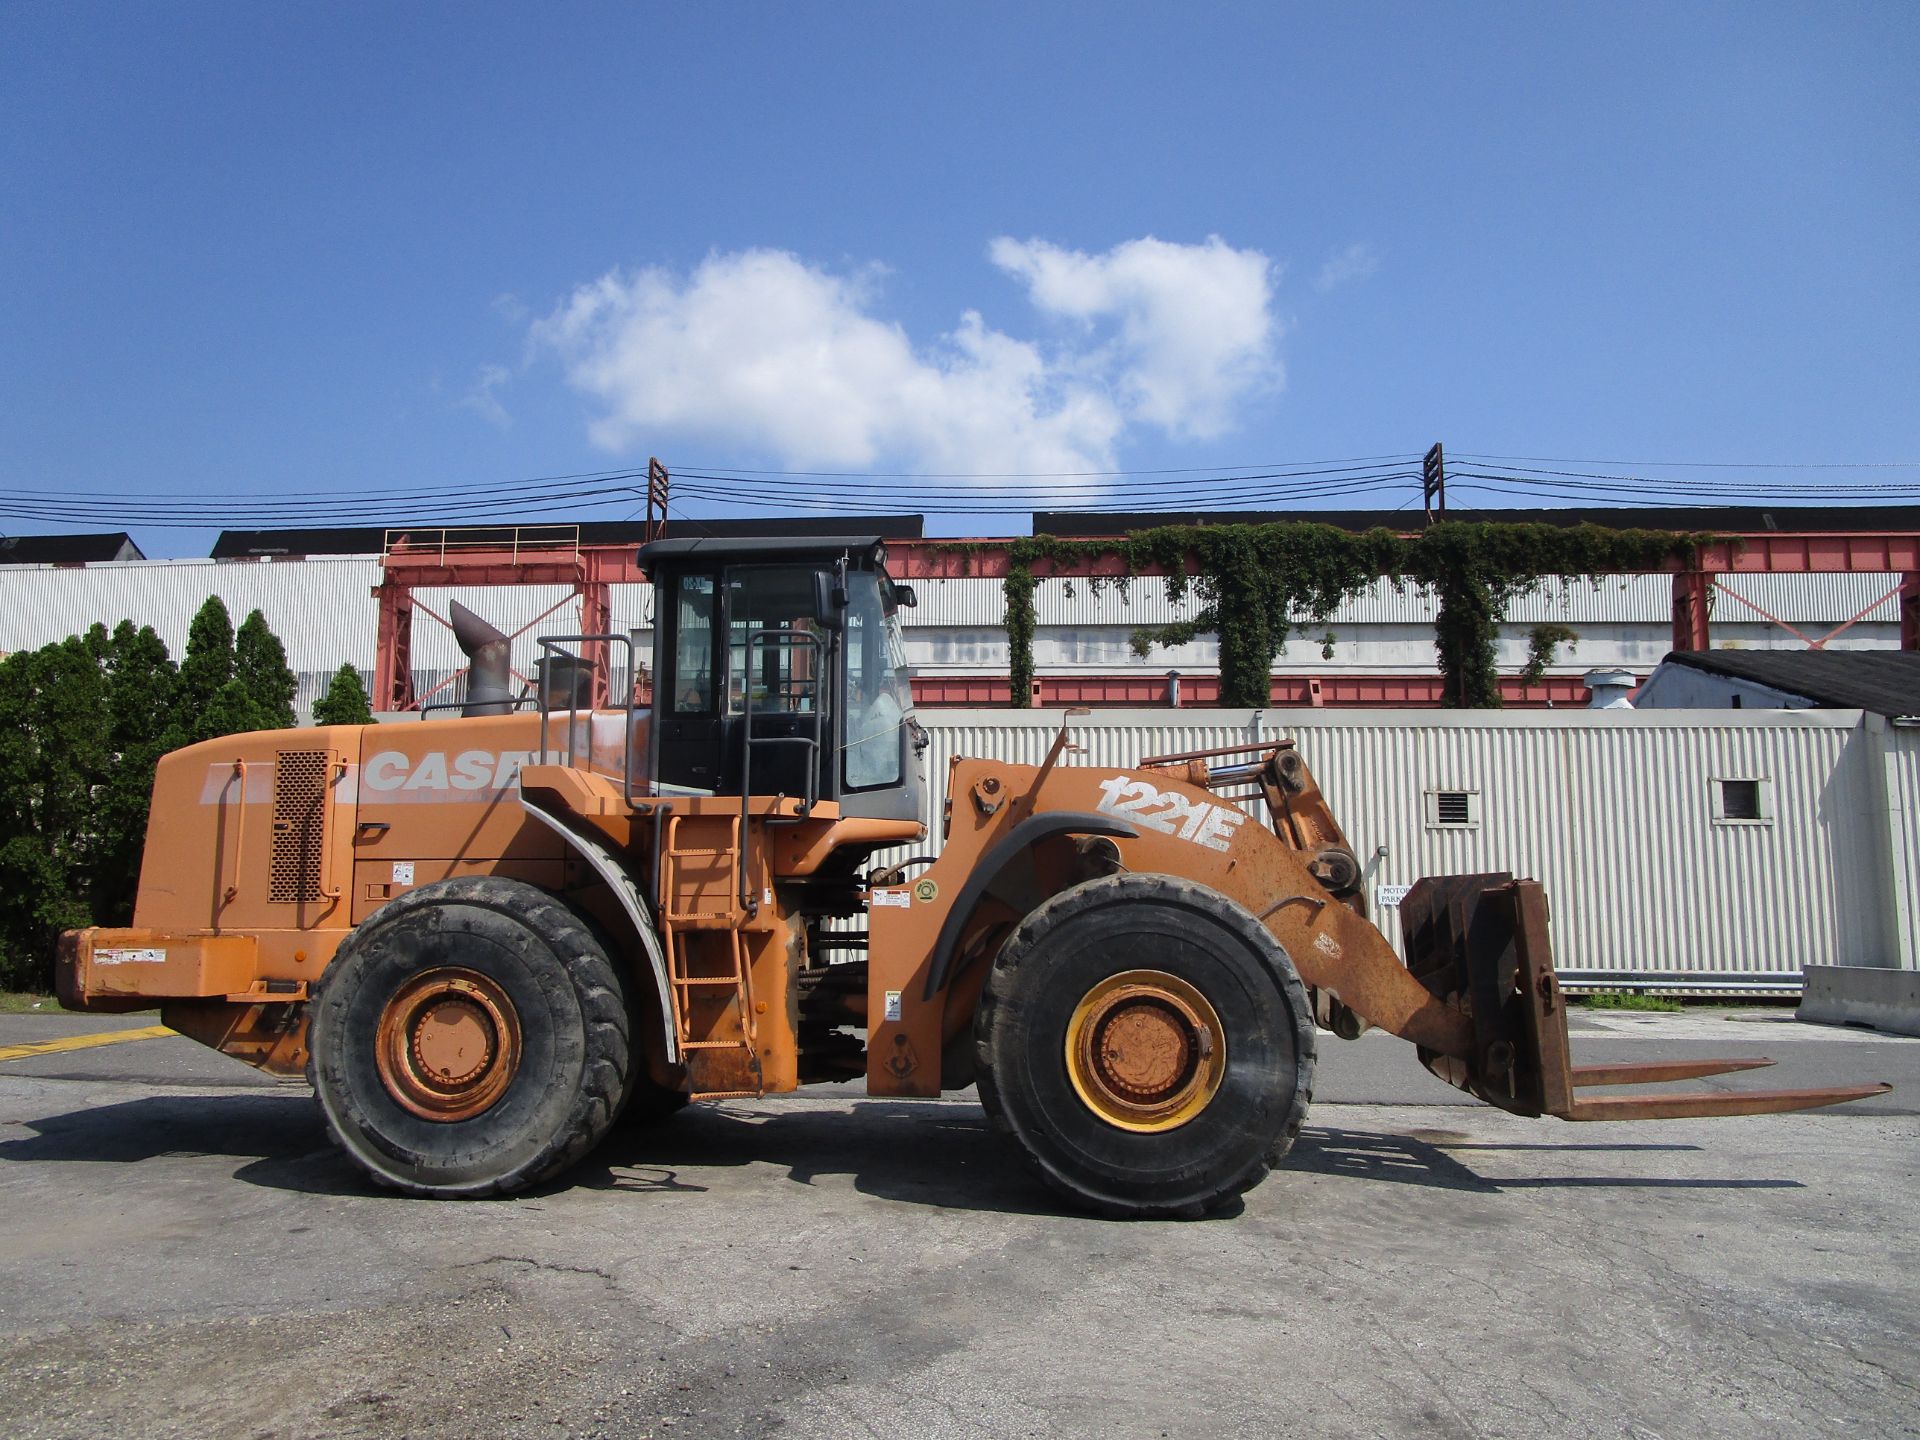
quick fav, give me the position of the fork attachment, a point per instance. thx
(1482, 941)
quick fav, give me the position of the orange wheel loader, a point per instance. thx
(484, 936)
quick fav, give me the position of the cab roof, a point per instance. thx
(718, 549)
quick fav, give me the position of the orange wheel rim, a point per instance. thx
(1145, 1051)
(448, 1044)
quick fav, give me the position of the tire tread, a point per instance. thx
(1023, 947)
(597, 987)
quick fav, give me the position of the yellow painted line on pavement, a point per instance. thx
(81, 1042)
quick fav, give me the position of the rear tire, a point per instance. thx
(1147, 1045)
(470, 1039)
(650, 1103)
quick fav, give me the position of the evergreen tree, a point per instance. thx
(73, 757)
(232, 712)
(345, 702)
(141, 678)
(19, 733)
(204, 670)
(36, 904)
(25, 866)
(260, 665)
(54, 755)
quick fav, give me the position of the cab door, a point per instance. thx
(688, 679)
(779, 683)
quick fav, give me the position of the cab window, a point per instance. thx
(877, 694)
(693, 623)
(780, 672)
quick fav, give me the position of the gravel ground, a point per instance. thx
(188, 1260)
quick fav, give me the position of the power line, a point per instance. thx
(1275, 465)
(1705, 464)
(1387, 478)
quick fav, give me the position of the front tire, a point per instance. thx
(1147, 1044)
(470, 1039)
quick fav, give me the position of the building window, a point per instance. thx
(1743, 801)
(1453, 809)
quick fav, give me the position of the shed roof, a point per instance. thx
(67, 549)
(372, 540)
(1886, 682)
(1722, 519)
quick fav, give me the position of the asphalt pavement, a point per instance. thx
(183, 1254)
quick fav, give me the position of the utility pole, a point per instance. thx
(1433, 482)
(658, 483)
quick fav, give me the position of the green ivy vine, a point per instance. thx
(1255, 583)
(1476, 570)
(1543, 648)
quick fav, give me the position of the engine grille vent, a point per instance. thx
(299, 826)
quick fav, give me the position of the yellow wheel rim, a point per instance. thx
(1145, 1051)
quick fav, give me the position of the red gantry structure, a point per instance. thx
(553, 555)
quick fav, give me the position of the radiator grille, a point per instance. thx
(299, 826)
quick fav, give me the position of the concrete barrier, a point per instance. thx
(1857, 995)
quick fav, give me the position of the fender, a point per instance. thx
(1027, 833)
(614, 873)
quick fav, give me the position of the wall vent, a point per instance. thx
(1453, 809)
(1743, 800)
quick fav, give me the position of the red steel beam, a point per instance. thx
(923, 559)
(1203, 691)
(588, 568)
(1774, 553)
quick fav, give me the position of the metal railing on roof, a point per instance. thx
(510, 541)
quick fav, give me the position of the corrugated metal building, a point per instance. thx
(322, 608)
(1655, 880)
(1615, 811)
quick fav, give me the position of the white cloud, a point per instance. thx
(483, 398)
(758, 349)
(1357, 262)
(1194, 327)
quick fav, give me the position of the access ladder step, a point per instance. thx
(716, 1045)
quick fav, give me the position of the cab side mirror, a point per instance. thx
(829, 601)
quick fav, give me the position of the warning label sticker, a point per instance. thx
(129, 957)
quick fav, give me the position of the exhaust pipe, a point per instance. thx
(487, 652)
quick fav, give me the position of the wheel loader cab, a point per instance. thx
(778, 670)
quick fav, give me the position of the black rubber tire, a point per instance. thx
(650, 1103)
(570, 1003)
(1148, 922)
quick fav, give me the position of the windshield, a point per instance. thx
(879, 693)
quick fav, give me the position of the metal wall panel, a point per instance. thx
(323, 611)
(1900, 747)
(1644, 599)
(1612, 811)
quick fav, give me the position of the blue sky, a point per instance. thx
(252, 251)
